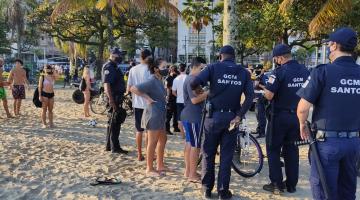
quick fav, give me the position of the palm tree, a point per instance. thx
(112, 8)
(331, 11)
(229, 24)
(197, 14)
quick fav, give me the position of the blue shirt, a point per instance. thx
(284, 82)
(113, 75)
(334, 90)
(228, 82)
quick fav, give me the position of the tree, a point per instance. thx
(326, 16)
(4, 42)
(15, 13)
(229, 25)
(111, 7)
(197, 14)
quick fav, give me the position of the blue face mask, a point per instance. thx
(328, 52)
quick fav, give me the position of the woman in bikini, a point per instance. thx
(88, 75)
(46, 91)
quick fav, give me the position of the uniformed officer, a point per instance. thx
(114, 85)
(283, 128)
(261, 102)
(228, 82)
(334, 90)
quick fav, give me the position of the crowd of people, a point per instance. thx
(204, 104)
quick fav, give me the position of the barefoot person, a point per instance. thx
(87, 92)
(154, 117)
(18, 80)
(191, 119)
(46, 91)
(2, 90)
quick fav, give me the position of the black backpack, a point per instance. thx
(36, 95)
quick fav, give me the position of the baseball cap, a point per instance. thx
(117, 51)
(345, 36)
(227, 49)
(281, 49)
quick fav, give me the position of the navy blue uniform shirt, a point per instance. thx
(227, 83)
(284, 82)
(334, 90)
(113, 75)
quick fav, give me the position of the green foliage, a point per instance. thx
(4, 42)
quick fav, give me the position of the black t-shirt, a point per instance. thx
(169, 84)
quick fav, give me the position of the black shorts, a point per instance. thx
(138, 115)
(47, 95)
(179, 108)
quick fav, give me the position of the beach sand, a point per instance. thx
(60, 163)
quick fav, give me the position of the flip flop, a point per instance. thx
(162, 173)
(106, 181)
(194, 180)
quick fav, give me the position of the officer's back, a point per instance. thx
(290, 77)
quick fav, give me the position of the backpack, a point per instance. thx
(36, 95)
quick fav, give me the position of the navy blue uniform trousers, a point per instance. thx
(216, 133)
(113, 130)
(338, 157)
(260, 114)
(285, 131)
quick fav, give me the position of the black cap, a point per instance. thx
(281, 49)
(117, 51)
(227, 49)
(346, 37)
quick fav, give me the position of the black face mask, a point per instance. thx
(118, 60)
(164, 72)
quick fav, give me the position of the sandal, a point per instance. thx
(106, 181)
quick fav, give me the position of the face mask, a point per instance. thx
(164, 72)
(328, 52)
(118, 60)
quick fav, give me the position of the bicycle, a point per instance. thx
(248, 157)
(98, 103)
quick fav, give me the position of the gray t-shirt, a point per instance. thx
(191, 112)
(154, 115)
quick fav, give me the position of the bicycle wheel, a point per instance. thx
(248, 158)
(127, 105)
(98, 104)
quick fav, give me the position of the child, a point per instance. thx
(2, 91)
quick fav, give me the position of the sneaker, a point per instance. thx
(225, 195)
(260, 136)
(291, 189)
(272, 187)
(207, 194)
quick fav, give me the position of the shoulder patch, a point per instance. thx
(106, 72)
(271, 79)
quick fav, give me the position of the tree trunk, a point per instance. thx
(99, 60)
(110, 29)
(229, 24)
(198, 41)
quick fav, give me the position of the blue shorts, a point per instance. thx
(138, 116)
(192, 133)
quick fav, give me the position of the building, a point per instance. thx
(188, 43)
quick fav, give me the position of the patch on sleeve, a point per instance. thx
(106, 72)
(306, 82)
(272, 79)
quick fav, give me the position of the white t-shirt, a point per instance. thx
(138, 74)
(178, 86)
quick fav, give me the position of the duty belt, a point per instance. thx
(225, 110)
(335, 134)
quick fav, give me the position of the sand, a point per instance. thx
(60, 163)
